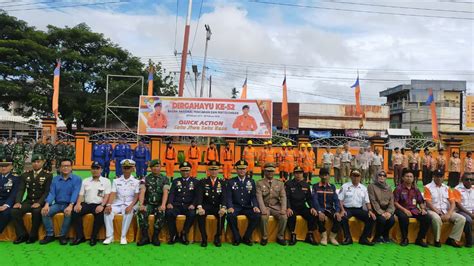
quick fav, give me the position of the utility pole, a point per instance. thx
(210, 86)
(203, 73)
(184, 54)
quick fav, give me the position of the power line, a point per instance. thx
(197, 26)
(16, 4)
(355, 10)
(67, 6)
(400, 7)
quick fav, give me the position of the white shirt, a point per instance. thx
(337, 160)
(353, 196)
(439, 196)
(125, 189)
(377, 160)
(346, 157)
(95, 191)
(328, 158)
(467, 197)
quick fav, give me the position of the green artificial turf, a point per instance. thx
(272, 254)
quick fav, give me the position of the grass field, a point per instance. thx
(272, 254)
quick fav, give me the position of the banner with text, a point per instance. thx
(177, 116)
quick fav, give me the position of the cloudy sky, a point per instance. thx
(320, 44)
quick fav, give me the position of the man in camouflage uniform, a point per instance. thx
(59, 153)
(2, 149)
(70, 151)
(9, 148)
(154, 190)
(19, 156)
(39, 147)
(48, 155)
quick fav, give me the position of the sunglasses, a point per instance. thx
(382, 175)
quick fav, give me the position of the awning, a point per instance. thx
(402, 132)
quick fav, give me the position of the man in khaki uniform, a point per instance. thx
(271, 197)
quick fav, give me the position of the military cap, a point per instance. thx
(241, 164)
(37, 156)
(438, 173)
(185, 166)
(127, 163)
(323, 172)
(5, 161)
(154, 163)
(298, 169)
(213, 165)
(269, 167)
(96, 165)
(355, 172)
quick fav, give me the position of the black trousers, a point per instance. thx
(17, 216)
(336, 225)
(253, 218)
(306, 214)
(427, 175)
(171, 215)
(77, 220)
(383, 226)
(202, 222)
(403, 220)
(5, 217)
(362, 215)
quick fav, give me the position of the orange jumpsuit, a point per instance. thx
(157, 120)
(290, 160)
(212, 154)
(310, 158)
(227, 162)
(269, 156)
(245, 123)
(193, 159)
(283, 167)
(301, 158)
(170, 160)
(249, 155)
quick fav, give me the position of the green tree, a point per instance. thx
(28, 59)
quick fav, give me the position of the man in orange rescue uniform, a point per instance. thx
(290, 159)
(170, 160)
(227, 158)
(157, 119)
(193, 158)
(245, 122)
(310, 159)
(281, 159)
(249, 156)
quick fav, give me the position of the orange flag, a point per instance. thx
(151, 71)
(56, 88)
(434, 118)
(243, 95)
(284, 108)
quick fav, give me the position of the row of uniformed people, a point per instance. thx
(239, 195)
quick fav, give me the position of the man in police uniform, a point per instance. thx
(122, 199)
(121, 151)
(154, 189)
(182, 200)
(211, 201)
(36, 184)
(298, 193)
(108, 157)
(271, 197)
(8, 191)
(99, 154)
(93, 197)
(141, 155)
(242, 200)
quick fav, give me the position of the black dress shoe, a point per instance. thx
(204, 243)
(31, 240)
(292, 241)
(263, 242)
(377, 240)
(347, 241)
(217, 241)
(282, 242)
(247, 242)
(366, 242)
(144, 241)
(421, 243)
(404, 242)
(235, 243)
(77, 241)
(93, 242)
(451, 242)
(63, 240)
(184, 239)
(21, 239)
(47, 239)
(155, 239)
(437, 244)
(173, 239)
(310, 239)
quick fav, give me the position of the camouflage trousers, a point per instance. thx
(18, 166)
(159, 217)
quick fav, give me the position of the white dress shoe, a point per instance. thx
(108, 240)
(123, 241)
